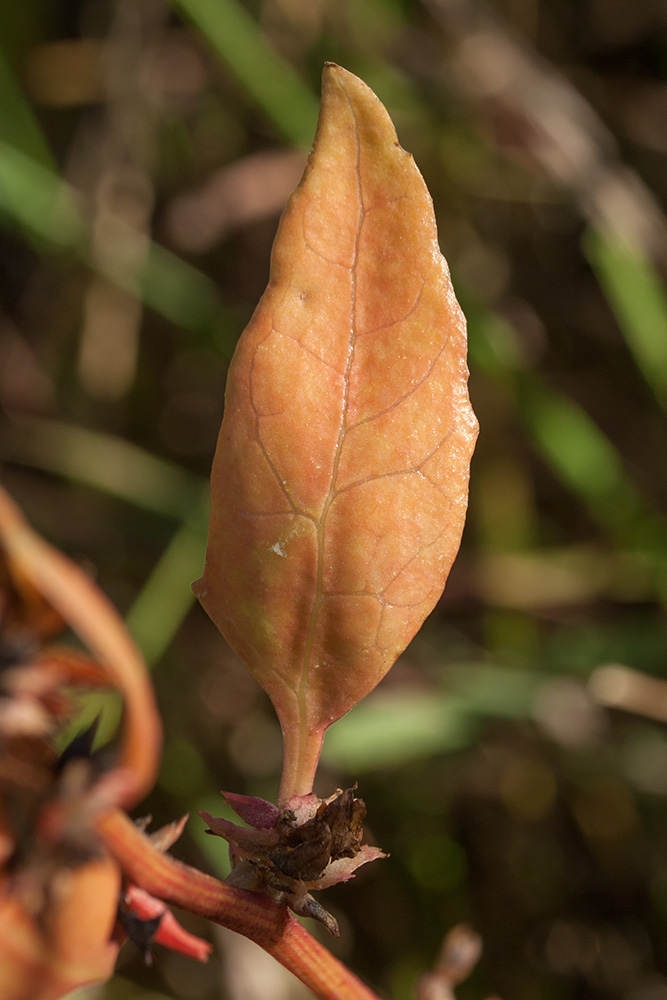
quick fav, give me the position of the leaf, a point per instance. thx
(339, 484)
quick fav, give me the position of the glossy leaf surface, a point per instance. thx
(339, 485)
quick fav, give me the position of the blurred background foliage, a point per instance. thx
(514, 762)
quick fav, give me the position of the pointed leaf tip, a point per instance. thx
(339, 485)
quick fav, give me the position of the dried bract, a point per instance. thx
(309, 844)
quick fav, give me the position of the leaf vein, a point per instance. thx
(402, 319)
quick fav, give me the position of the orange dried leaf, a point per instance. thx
(339, 485)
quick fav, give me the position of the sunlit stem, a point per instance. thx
(300, 760)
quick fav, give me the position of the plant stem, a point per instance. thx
(97, 623)
(300, 760)
(270, 925)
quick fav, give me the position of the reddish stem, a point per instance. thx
(271, 926)
(300, 758)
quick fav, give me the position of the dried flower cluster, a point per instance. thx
(307, 845)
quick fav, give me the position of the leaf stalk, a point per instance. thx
(300, 760)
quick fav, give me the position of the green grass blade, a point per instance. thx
(166, 596)
(269, 79)
(569, 441)
(186, 297)
(636, 294)
(19, 124)
(36, 199)
(389, 729)
(107, 463)
(121, 469)
(584, 459)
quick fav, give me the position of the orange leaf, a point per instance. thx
(339, 485)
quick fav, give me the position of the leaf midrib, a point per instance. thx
(321, 523)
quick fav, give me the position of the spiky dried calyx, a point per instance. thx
(309, 844)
